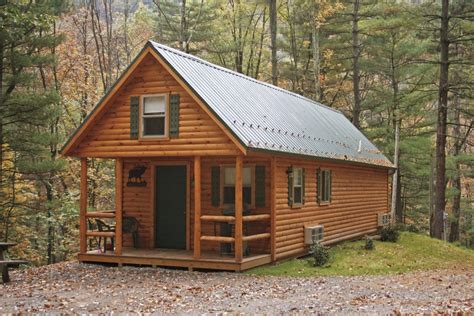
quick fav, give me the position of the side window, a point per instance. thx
(296, 186)
(324, 185)
(154, 113)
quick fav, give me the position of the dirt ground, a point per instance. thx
(82, 288)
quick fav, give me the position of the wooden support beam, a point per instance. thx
(197, 207)
(83, 208)
(118, 205)
(238, 209)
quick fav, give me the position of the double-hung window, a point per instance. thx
(298, 185)
(228, 190)
(324, 185)
(154, 122)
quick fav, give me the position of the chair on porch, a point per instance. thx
(130, 225)
(104, 227)
(92, 226)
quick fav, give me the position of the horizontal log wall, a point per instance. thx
(110, 135)
(358, 194)
(137, 202)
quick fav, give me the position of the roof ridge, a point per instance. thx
(209, 64)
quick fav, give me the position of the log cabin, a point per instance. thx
(222, 171)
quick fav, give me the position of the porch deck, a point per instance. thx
(176, 258)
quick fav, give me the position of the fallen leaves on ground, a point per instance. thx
(72, 287)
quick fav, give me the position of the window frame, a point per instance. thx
(141, 124)
(325, 186)
(222, 184)
(301, 186)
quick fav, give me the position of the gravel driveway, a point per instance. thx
(80, 288)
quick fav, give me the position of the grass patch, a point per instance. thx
(411, 252)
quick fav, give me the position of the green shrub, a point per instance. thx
(320, 254)
(413, 228)
(369, 243)
(389, 233)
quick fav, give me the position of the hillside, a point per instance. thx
(412, 252)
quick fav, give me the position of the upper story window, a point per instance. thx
(228, 189)
(154, 116)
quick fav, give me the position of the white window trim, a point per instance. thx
(252, 184)
(167, 116)
(297, 186)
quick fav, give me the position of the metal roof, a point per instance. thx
(266, 117)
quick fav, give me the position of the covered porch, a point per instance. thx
(249, 241)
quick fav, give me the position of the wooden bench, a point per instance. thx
(5, 264)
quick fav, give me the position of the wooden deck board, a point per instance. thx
(176, 258)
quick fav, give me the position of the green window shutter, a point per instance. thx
(290, 186)
(174, 116)
(134, 116)
(318, 185)
(215, 186)
(303, 186)
(330, 185)
(259, 186)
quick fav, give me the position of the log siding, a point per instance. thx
(358, 195)
(110, 135)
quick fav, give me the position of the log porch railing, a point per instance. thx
(83, 214)
(100, 214)
(231, 219)
(238, 219)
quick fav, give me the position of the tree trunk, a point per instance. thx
(182, 29)
(355, 64)
(396, 175)
(273, 35)
(440, 202)
(454, 229)
(316, 50)
(1, 112)
(126, 14)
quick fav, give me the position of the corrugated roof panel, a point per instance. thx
(266, 117)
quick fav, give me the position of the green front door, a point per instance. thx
(170, 219)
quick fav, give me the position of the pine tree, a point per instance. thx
(393, 47)
(27, 39)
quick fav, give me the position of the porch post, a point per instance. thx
(197, 207)
(118, 205)
(83, 207)
(238, 208)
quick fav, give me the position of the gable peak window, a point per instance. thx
(154, 115)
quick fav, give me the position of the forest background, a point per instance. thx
(402, 71)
